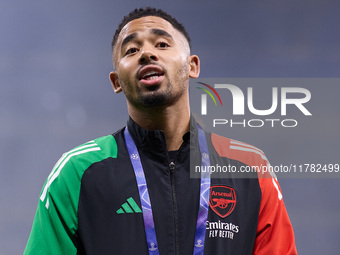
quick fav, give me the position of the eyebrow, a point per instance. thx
(161, 32)
(154, 31)
(128, 39)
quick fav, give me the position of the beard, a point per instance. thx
(157, 96)
(155, 100)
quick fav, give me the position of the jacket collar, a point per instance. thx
(156, 138)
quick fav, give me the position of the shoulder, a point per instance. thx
(73, 163)
(237, 150)
(93, 150)
(255, 159)
(90, 152)
(69, 169)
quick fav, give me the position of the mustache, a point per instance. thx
(150, 63)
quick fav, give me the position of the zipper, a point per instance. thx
(172, 167)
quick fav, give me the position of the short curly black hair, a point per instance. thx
(149, 11)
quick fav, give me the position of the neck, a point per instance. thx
(173, 121)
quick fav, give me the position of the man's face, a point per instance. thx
(153, 63)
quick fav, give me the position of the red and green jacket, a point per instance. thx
(90, 202)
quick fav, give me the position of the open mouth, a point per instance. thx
(150, 74)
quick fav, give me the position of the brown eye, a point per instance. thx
(163, 45)
(131, 51)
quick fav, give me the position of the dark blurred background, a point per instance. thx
(55, 94)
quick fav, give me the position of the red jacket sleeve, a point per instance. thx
(275, 234)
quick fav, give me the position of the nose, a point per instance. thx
(147, 55)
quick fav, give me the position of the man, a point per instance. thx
(131, 192)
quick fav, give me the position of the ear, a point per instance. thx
(194, 65)
(115, 82)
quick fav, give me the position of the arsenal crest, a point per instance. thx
(222, 200)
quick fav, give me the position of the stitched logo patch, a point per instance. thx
(222, 200)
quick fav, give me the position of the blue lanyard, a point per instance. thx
(149, 224)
